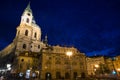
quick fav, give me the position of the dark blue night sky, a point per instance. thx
(92, 26)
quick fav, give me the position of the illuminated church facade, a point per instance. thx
(28, 36)
(36, 55)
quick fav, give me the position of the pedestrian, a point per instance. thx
(2, 78)
(27, 76)
(21, 76)
(33, 75)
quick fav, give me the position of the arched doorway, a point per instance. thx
(83, 75)
(75, 75)
(48, 76)
(67, 75)
(58, 75)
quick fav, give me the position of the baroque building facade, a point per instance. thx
(37, 56)
(116, 64)
(57, 64)
(93, 63)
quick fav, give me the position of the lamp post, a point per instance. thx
(118, 71)
(69, 54)
(114, 69)
(96, 67)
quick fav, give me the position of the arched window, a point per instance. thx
(27, 20)
(38, 46)
(24, 46)
(22, 60)
(35, 34)
(28, 14)
(57, 62)
(26, 32)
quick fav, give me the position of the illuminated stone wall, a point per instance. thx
(7, 50)
(116, 63)
(27, 61)
(92, 62)
(56, 61)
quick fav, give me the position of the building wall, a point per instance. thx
(56, 61)
(116, 63)
(92, 62)
(27, 61)
(109, 64)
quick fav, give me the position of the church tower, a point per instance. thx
(28, 36)
(27, 16)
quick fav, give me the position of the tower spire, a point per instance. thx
(46, 40)
(27, 17)
(28, 7)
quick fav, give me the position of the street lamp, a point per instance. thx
(69, 54)
(96, 67)
(118, 71)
